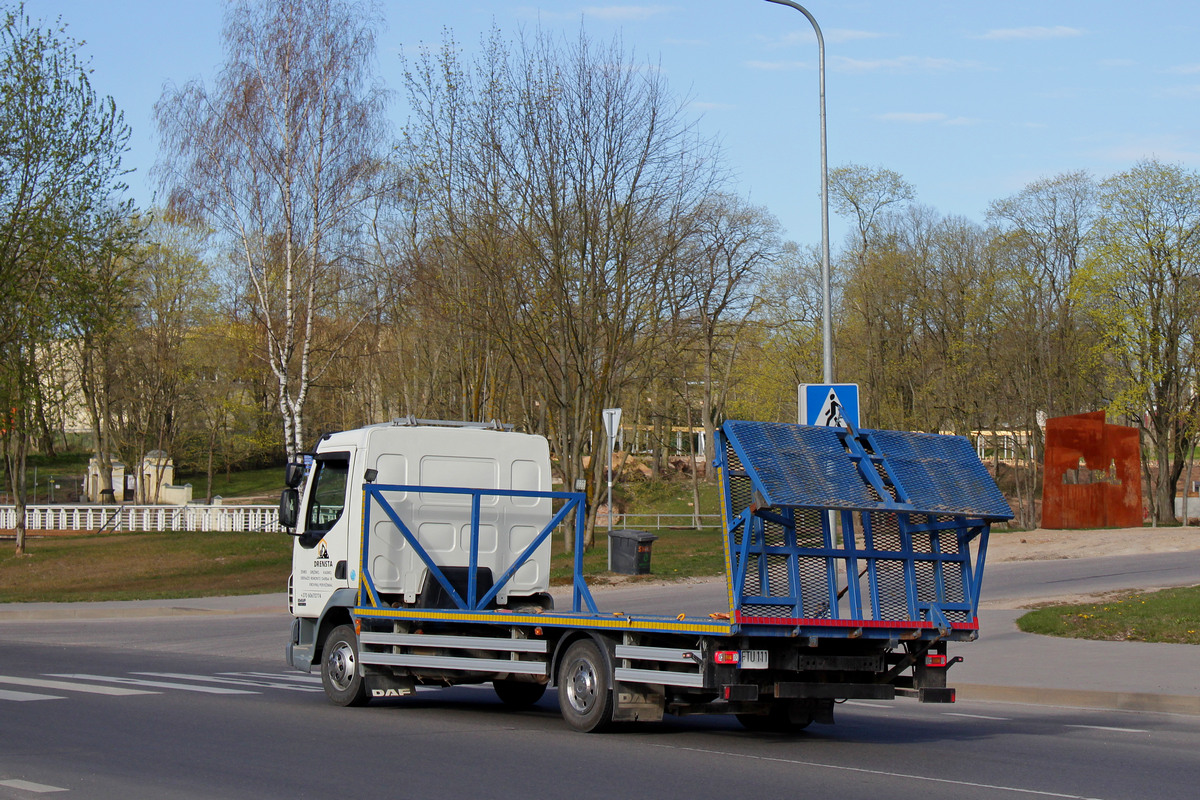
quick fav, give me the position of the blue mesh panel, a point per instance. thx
(941, 473)
(798, 465)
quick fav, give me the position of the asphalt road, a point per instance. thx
(181, 725)
(199, 705)
(1011, 583)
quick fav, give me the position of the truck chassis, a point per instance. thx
(852, 557)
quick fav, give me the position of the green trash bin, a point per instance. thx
(629, 551)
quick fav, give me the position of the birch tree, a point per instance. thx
(277, 156)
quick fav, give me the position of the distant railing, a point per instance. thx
(654, 521)
(241, 518)
(144, 518)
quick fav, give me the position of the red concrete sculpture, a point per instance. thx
(1092, 475)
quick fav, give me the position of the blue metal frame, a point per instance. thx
(373, 495)
(790, 470)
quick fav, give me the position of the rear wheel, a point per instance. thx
(339, 668)
(585, 688)
(518, 694)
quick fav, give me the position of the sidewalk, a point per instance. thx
(131, 609)
(1006, 664)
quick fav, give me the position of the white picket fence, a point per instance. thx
(233, 518)
(144, 518)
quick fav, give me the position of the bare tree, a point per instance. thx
(562, 177)
(277, 156)
(729, 247)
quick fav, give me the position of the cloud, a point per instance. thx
(1177, 92)
(1183, 69)
(777, 66)
(605, 13)
(925, 118)
(1164, 148)
(840, 35)
(624, 13)
(805, 36)
(1033, 32)
(913, 116)
(902, 64)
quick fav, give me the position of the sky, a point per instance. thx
(969, 101)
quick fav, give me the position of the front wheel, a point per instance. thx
(339, 668)
(585, 696)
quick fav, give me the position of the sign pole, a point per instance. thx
(612, 426)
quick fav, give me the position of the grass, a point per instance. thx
(142, 566)
(666, 497)
(145, 566)
(246, 483)
(1170, 615)
(676, 554)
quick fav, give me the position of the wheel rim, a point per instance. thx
(581, 687)
(340, 663)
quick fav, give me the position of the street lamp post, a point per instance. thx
(826, 304)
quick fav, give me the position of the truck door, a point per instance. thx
(320, 563)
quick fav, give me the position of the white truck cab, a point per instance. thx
(326, 506)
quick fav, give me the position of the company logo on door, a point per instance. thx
(322, 559)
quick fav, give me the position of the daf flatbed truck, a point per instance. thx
(852, 558)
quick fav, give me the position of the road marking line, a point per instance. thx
(261, 684)
(1107, 728)
(156, 684)
(276, 676)
(976, 716)
(863, 704)
(29, 786)
(21, 697)
(38, 683)
(879, 772)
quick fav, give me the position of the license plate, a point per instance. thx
(754, 659)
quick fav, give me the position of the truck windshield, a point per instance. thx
(327, 498)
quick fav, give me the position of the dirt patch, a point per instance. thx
(1043, 544)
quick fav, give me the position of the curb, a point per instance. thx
(1081, 698)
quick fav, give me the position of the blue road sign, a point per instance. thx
(829, 404)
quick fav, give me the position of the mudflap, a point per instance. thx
(384, 684)
(635, 702)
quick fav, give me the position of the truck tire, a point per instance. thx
(339, 668)
(518, 694)
(585, 688)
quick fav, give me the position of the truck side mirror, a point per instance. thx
(289, 508)
(293, 474)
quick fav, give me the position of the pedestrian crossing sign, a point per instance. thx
(828, 404)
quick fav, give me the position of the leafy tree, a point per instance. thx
(60, 170)
(1142, 285)
(1046, 347)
